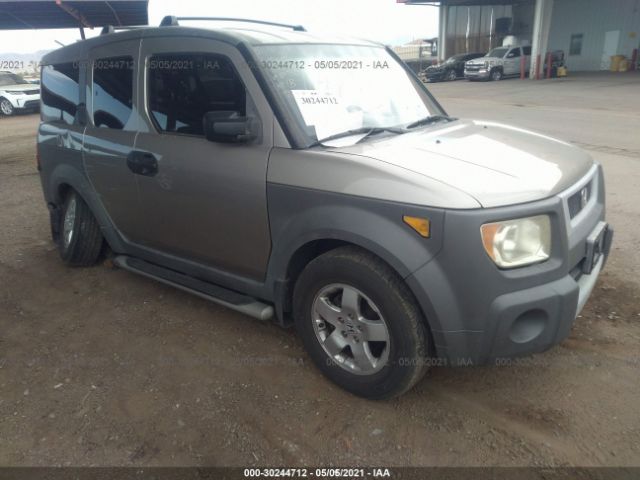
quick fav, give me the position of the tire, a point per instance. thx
(386, 311)
(79, 235)
(6, 108)
(496, 74)
(451, 75)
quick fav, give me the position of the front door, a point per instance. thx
(111, 130)
(207, 201)
(512, 62)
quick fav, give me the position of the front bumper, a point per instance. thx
(24, 101)
(434, 76)
(479, 313)
(476, 74)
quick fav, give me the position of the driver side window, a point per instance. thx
(184, 86)
(513, 53)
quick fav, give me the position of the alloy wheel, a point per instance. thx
(351, 329)
(6, 107)
(69, 221)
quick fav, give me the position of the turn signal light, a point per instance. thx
(420, 225)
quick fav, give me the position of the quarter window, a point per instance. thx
(60, 92)
(183, 87)
(112, 92)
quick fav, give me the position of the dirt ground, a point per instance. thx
(102, 367)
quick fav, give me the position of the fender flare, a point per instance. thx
(70, 176)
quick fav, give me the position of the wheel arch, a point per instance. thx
(65, 178)
(312, 249)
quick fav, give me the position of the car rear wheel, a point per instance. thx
(360, 324)
(80, 239)
(6, 108)
(451, 75)
(496, 75)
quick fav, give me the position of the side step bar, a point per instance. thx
(209, 291)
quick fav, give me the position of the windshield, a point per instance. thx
(7, 79)
(330, 89)
(454, 59)
(497, 52)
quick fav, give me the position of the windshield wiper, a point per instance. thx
(430, 119)
(367, 131)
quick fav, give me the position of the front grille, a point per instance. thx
(578, 200)
(32, 92)
(472, 68)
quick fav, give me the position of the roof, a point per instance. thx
(29, 14)
(234, 36)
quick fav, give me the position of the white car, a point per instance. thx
(17, 94)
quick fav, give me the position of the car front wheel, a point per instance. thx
(6, 108)
(452, 75)
(496, 75)
(360, 324)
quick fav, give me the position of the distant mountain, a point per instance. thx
(21, 62)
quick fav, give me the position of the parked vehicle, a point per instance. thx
(17, 94)
(499, 63)
(280, 176)
(451, 69)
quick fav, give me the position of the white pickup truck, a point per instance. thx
(499, 63)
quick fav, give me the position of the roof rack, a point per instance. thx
(107, 29)
(170, 21)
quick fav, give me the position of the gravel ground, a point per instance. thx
(102, 367)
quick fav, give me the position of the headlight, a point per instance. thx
(11, 92)
(514, 243)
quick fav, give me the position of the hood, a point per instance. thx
(496, 164)
(435, 68)
(20, 87)
(481, 60)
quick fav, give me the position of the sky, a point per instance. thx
(381, 20)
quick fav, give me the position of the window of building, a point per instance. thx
(112, 92)
(575, 46)
(184, 86)
(60, 92)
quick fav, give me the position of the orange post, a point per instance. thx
(522, 62)
(548, 64)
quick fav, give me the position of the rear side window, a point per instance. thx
(112, 92)
(60, 92)
(183, 87)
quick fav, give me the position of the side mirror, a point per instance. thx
(229, 127)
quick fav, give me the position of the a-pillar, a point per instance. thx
(541, 26)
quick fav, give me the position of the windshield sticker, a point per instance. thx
(325, 111)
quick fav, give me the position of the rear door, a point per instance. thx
(111, 131)
(207, 201)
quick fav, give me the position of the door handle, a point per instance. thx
(142, 163)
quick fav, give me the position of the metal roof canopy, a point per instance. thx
(464, 3)
(43, 14)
